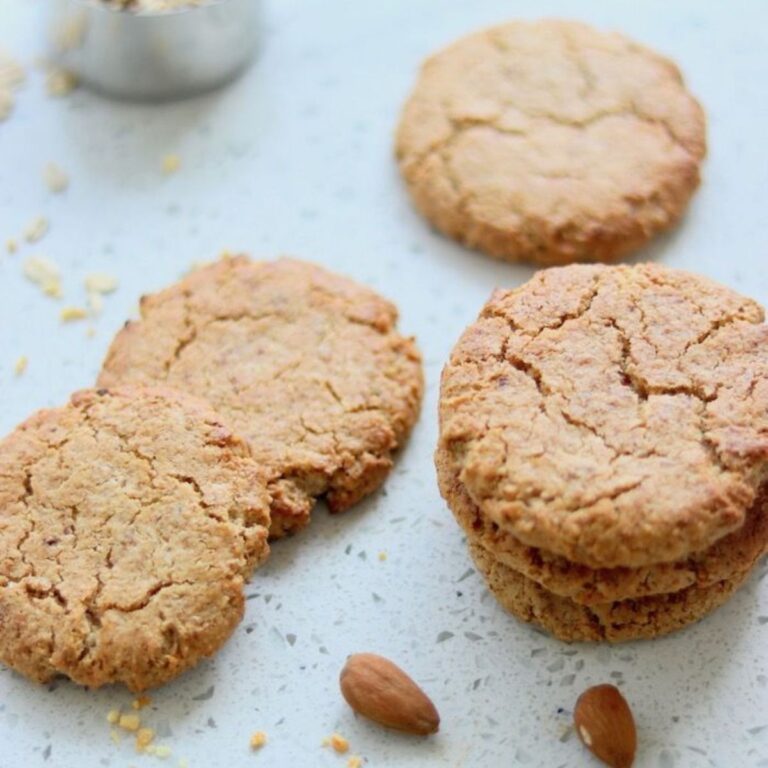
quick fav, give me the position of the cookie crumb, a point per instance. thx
(11, 245)
(337, 742)
(355, 762)
(11, 77)
(95, 303)
(52, 289)
(141, 701)
(382, 556)
(129, 722)
(37, 229)
(183, 763)
(162, 751)
(43, 273)
(90, 332)
(171, 164)
(60, 82)
(70, 314)
(21, 365)
(55, 178)
(113, 716)
(98, 282)
(258, 740)
(144, 738)
(116, 736)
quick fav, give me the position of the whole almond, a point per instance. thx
(379, 690)
(605, 724)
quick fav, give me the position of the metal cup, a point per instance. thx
(157, 56)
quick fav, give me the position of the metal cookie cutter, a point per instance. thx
(155, 56)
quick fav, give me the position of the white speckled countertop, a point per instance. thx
(296, 158)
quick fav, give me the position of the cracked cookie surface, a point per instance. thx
(307, 365)
(129, 519)
(551, 142)
(613, 416)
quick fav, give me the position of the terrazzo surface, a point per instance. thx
(296, 157)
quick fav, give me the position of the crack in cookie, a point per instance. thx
(126, 515)
(551, 142)
(613, 416)
(307, 365)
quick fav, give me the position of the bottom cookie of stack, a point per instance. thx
(576, 603)
(618, 621)
(647, 602)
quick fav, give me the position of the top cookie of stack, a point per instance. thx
(604, 442)
(551, 142)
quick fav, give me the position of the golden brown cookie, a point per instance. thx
(307, 365)
(129, 519)
(614, 416)
(614, 622)
(589, 586)
(551, 142)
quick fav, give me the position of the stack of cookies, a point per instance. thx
(130, 518)
(604, 445)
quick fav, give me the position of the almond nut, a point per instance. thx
(379, 690)
(605, 724)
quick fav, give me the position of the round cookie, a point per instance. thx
(129, 519)
(614, 622)
(589, 586)
(551, 142)
(614, 416)
(308, 366)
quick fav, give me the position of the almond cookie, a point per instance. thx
(614, 622)
(307, 365)
(129, 519)
(589, 586)
(551, 142)
(604, 434)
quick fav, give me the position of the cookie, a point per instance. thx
(308, 366)
(588, 586)
(604, 445)
(615, 416)
(614, 622)
(129, 519)
(551, 142)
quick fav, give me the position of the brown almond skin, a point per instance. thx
(606, 726)
(379, 690)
